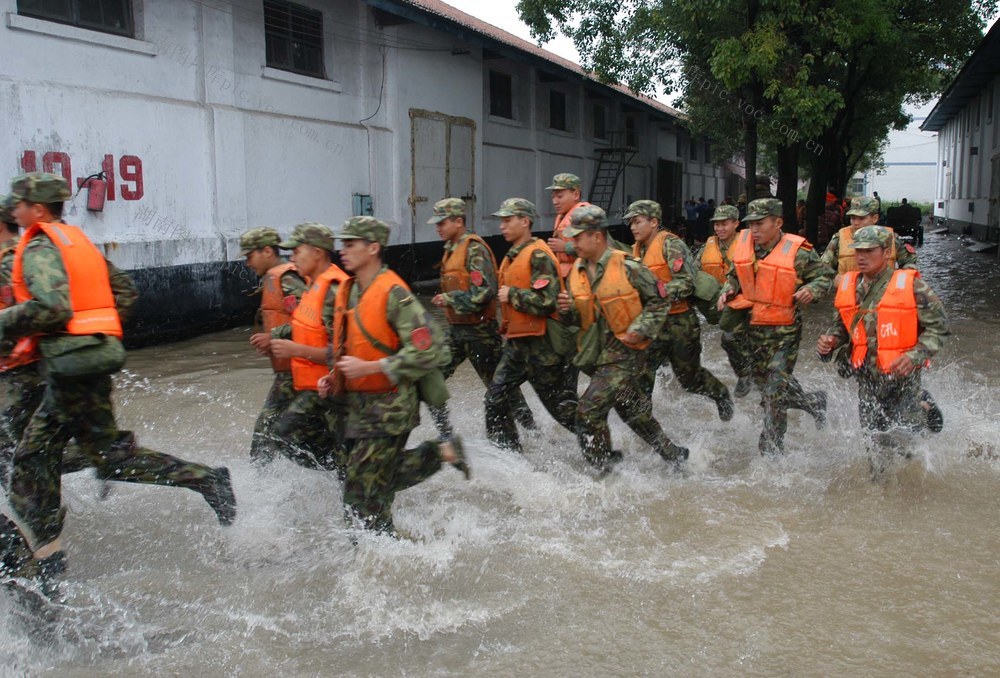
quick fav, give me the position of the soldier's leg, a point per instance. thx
(264, 445)
(303, 434)
(685, 359)
(369, 485)
(735, 346)
(555, 386)
(793, 396)
(484, 354)
(501, 428)
(24, 389)
(635, 408)
(592, 432)
(657, 353)
(767, 369)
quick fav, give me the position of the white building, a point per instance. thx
(209, 117)
(968, 182)
(909, 167)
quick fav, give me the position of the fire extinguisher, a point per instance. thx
(97, 188)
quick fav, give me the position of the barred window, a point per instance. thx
(107, 16)
(557, 110)
(501, 95)
(293, 38)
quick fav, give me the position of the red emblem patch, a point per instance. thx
(661, 288)
(291, 303)
(476, 277)
(909, 248)
(421, 338)
(540, 284)
(678, 264)
(7, 295)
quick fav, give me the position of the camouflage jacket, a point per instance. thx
(293, 284)
(49, 309)
(374, 415)
(906, 256)
(479, 294)
(932, 324)
(681, 285)
(542, 296)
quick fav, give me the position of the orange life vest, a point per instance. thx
(713, 261)
(896, 318)
(308, 328)
(616, 299)
(562, 223)
(455, 277)
(517, 273)
(770, 283)
(25, 351)
(364, 331)
(272, 308)
(847, 256)
(653, 258)
(90, 295)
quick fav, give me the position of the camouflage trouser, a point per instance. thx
(680, 344)
(377, 469)
(264, 446)
(890, 402)
(483, 347)
(772, 359)
(735, 346)
(617, 386)
(81, 409)
(310, 431)
(553, 379)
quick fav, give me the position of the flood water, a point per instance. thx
(740, 566)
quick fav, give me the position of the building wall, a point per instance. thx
(909, 168)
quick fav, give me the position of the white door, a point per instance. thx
(443, 166)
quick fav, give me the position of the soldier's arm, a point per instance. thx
(654, 307)
(124, 289)
(816, 276)
(423, 344)
(931, 320)
(540, 298)
(282, 332)
(482, 283)
(837, 329)
(906, 255)
(831, 255)
(678, 257)
(49, 309)
(293, 284)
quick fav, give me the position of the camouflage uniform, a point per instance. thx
(310, 430)
(679, 339)
(531, 359)
(888, 401)
(617, 371)
(571, 182)
(906, 255)
(79, 407)
(379, 424)
(479, 342)
(775, 349)
(264, 445)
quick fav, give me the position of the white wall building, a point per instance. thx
(210, 117)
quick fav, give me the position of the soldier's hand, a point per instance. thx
(632, 339)
(836, 280)
(438, 300)
(324, 385)
(261, 341)
(902, 366)
(804, 296)
(557, 244)
(284, 348)
(503, 294)
(563, 302)
(723, 298)
(353, 367)
(825, 344)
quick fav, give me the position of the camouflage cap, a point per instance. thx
(763, 207)
(364, 228)
(870, 237)
(564, 181)
(862, 207)
(256, 238)
(585, 218)
(449, 207)
(40, 187)
(517, 207)
(723, 212)
(643, 208)
(7, 209)
(310, 233)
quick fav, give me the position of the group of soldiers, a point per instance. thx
(354, 351)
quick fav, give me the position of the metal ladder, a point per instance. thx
(611, 164)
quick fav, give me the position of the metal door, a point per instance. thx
(443, 154)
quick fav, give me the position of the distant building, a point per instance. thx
(209, 118)
(909, 167)
(968, 193)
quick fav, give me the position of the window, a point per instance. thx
(680, 146)
(857, 186)
(694, 150)
(557, 110)
(107, 16)
(293, 38)
(600, 122)
(501, 95)
(630, 136)
(708, 152)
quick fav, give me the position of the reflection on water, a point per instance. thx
(739, 565)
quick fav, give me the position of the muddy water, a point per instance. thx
(741, 566)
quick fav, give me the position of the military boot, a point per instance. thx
(605, 468)
(818, 409)
(218, 492)
(935, 418)
(15, 555)
(674, 454)
(725, 407)
(743, 386)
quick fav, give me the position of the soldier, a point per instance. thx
(893, 323)
(773, 274)
(716, 258)
(67, 295)
(385, 344)
(841, 257)
(281, 287)
(679, 340)
(565, 198)
(310, 430)
(468, 297)
(536, 349)
(620, 307)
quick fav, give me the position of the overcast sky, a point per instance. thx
(503, 13)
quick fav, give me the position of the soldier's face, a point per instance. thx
(564, 198)
(308, 259)
(28, 214)
(643, 227)
(356, 252)
(254, 262)
(451, 228)
(589, 244)
(514, 228)
(725, 229)
(766, 231)
(867, 220)
(871, 260)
